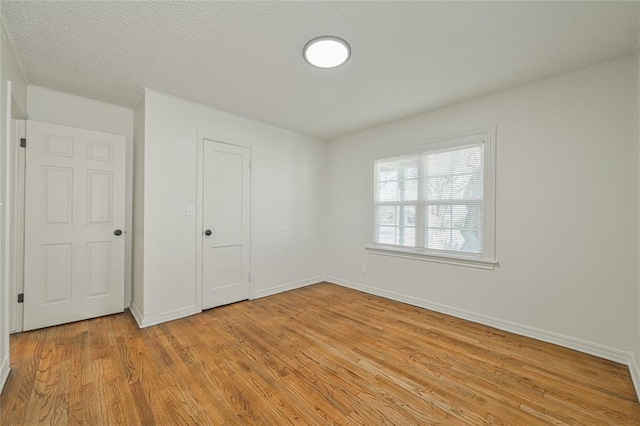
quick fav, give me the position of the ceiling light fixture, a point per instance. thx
(326, 52)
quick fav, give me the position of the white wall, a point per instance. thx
(12, 72)
(9, 71)
(287, 203)
(61, 108)
(565, 212)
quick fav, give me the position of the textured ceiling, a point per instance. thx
(246, 57)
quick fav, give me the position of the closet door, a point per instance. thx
(225, 221)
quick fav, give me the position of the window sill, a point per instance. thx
(415, 254)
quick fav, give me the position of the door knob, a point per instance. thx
(117, 232)
(207, 232)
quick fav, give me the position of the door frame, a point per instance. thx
(201, 137)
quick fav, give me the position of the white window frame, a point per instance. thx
(484, 260)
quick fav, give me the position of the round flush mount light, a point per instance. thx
(326, 52)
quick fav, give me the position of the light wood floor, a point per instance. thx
(318, 355)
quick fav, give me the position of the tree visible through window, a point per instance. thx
(431, 199)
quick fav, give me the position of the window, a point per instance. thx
(436, 201)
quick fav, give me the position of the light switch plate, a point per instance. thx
(190, 210)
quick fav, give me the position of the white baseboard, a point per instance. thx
(286, 287)
(149, 320)
(4, 372)
(137, 315)
(579, 345)
(634, 370)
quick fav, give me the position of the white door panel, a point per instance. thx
(226, 195)
(74, 262)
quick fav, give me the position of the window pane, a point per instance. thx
(439, 164)
(406, 237)
(387, 171)
(468, 187)
(467, 222)
(386, 235)
(388, 191)
(467, 216)
(467, 241)
(439, 216)
(439, 188)
(438, 239)
(460, 187)
(408, 215)
(408, 190)
(410, 167)
(467, 160)
(387, 215)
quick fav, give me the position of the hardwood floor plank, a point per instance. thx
(73, 355)
(44, 395)
(322, 354)
(143, 409)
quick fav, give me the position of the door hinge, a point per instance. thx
(249, 164)
(23, 142)
(21, 298)
(249, 276)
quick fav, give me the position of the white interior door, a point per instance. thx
(16, 284)
(74, 224)
(225, 221)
